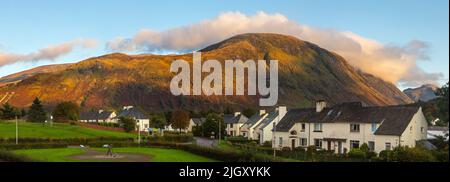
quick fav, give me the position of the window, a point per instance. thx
(317, 127)
(371, 145)
(318, 143)
(354, 127)
(303, 127)
(422, 130)
(280, 141)
(388, 146)
(145, 125)
(354, 144)
(374, 127)
(410, 129)
(293, 132)
(231, 125)
(303, 142)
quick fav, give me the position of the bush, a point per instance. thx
(406, 154)
(8, 156)
(128, 124)
(356, 153)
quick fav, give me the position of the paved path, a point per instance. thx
(93, 155)
(205, 142)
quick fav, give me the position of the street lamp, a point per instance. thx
(17, 132)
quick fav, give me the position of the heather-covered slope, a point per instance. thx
(306, 73)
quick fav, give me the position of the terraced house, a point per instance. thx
(348, 125)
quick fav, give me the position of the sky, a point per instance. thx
(404, 42)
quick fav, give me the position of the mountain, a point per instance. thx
(16, 77)
(306, 73)
(423, 93)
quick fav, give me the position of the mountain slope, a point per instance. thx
(423, 93)
(19, 76)
(306, 73)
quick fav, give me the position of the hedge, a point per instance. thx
(7, 156)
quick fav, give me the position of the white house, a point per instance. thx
(195, 122)
(142, 120)
(349, 125)
(434, 131)
(263, 131)
(233, 123)
(98, 117)
(248, 127)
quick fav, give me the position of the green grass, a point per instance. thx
(157, 154)
(51, 155)
(164, 155)
(57, 131)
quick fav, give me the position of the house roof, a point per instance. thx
(393, 119)
(234, 119)
(438, 128)
(267, 120)
(93, 115)
(253, 119)
(132, 112)
(198, 121)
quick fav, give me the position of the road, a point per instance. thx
(205, 142)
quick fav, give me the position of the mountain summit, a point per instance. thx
(306, 73)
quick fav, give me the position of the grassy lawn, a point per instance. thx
(164, 155)
(58, 130)
(51, 155)
(157, 154)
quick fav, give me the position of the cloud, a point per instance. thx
(48, 53)
(394, 63)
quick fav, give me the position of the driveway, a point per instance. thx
(205, 142)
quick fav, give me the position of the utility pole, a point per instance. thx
(274, 140)
(139, 135)
(17, 131)
(219, 134)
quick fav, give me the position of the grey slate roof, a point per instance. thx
(132, 112)
(234, 119)
(252, 120)
(267, 120)
(198, 121)
(393, 119)
(93, 115)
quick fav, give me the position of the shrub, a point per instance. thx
(12, 157)
(128, 124)
(356, 153)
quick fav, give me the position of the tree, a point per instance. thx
(249, 112)
(66, 111)
(212, 125)
(180, 119)
(36, 113)
(443, 104)
(158, 121)
(9, 112)
(127, 123)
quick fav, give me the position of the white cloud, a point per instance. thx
(48, 53)
(397, 64)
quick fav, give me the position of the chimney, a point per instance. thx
(262, 112)
(281, 111)
(237, 113)
(320, 105)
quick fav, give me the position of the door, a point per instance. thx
(293, 144)
(329, 145)
(339, 147)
